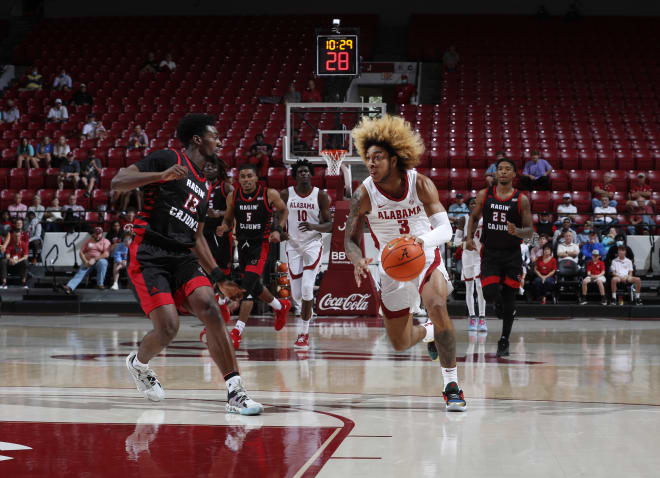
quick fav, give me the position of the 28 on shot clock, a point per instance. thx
(337, 55)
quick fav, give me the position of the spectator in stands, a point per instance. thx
(458, 209)
(94, 255)
(120, 256)
(15, 260)
(11, 114)
(545, 225)
(74, 214)
(45, 150)
(17, 209)
(299, 146)
(19, 222)
(583, 237)
(619, 240)
(61, 151)
(151, 65)
(260, 155)
(560, 233)
(5, 236)
(605, 214)
(640, 193)
(62, 81)
(90, 171)
(606, 188)
(595, 275)
(640, 207)
(58, 113)
(609, 239)
(82, 96)
(128, 217)
(115, 233)
(35, 235)
(37, 208)
(33, 80)
(591, 246)
(167, 64)
(53, 216)
(404, 91)
(536, 174)
(89, 128)
(101, 132)
(622, 271)
(69, 172)
(25, 154)
(545, 269)
(568, 251)
(311, 94)
(291, 95)
(537, 251)
(491, 176)
(526, 255)
(450, 59)
(138, 139)
(566, 207)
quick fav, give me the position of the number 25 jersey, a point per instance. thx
(496, 212)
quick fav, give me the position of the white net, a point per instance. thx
(333, 158)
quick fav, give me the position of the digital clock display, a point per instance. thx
(337, 55)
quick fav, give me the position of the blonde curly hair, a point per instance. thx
(392, 133)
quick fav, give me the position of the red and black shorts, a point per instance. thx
(253, 255)
(222, 250)
(162, 276)
(501, 266)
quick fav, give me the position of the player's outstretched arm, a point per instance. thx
(201, 249)
(280, 215)
(475, 215)
(435, 211)
(325, 218)
(359, 208)
(131, 177)
(527, 229)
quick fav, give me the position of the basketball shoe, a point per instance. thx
(482, 327)
(472, 323)
(429, 339)
(146, 380)
(280, 315)
(503, 347)
(235, 337)
(238, 401)
(302, 342)
(454, 399)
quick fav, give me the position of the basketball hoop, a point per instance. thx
(333, 158)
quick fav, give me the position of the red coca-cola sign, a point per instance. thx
(339, 294)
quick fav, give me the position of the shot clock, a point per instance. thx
(337, 55)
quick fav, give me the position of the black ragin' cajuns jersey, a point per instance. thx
(217, 201)
(496, 212)
(173, 209)
(253, 214)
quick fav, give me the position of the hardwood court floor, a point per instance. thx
(576, 398)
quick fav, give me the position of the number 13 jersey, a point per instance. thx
(496, 212)
(390, 217)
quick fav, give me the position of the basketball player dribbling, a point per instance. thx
(309, 216)
(260, 216)
(397, 201)
(507, 220)
(471, 272)
(165, 257)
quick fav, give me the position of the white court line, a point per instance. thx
(318, 452)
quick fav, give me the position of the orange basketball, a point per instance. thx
(282, 267)
(283, 280)
(403, 259)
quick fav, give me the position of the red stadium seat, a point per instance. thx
(47, 196)
(478, 179)
(459, 178)
(50, 178)
(277, 178)
(100, 197)
(559, 180)
(4, 177)
(106, 177)
(6, 198)
(541, 201)
(35, 178)
(18, 178)
(579, 180)
(582, 201)
(439, 177)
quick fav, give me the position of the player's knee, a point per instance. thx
(308, 292)
(399, 343)
(168, 329)
(490, 292)
(252, 284)
(209, 311)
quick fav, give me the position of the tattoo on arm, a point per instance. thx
(353, 229)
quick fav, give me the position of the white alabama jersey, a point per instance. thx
(391, 218)
(303, 209)
(477, 233)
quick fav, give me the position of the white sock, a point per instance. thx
(469, 296)
(614, 295)
(637, 295)
(275, 304)
(139, 365)
(233, 382)
(240, 325)
(449, 375)
(304, 326)
(480, 298)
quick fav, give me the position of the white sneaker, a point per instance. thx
(115, 286)
(239, 402)
(146, 381)
(430, 337)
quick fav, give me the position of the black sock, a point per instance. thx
(508, 306)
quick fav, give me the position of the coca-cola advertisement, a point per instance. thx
(339, 294)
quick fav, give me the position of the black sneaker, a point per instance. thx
(638, 301)
(603, 301)
(433, 351)
(583, 301)
(503, 347)
(454, 399)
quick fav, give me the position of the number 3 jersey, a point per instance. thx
(390, 217)
(302, 209)
(496, 212)
(172, 209)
